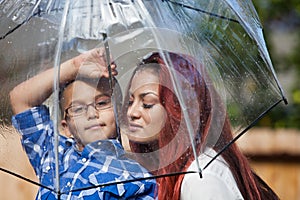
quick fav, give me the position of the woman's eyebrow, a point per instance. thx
(147, 93)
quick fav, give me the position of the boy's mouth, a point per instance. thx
(95, 126)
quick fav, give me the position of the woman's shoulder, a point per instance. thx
(217, 181)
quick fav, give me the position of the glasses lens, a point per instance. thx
(103, 103)
(75, 110)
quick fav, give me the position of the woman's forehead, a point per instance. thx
(143, 78)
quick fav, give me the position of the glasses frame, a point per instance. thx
(85, 108)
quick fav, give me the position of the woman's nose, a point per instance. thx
(133, 111)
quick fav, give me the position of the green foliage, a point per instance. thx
(286, 15)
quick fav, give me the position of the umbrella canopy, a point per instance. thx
(220, 43)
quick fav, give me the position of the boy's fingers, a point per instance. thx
(114, 73)
(114, 70)
(97, 58)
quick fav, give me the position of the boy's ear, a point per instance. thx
(65, 128)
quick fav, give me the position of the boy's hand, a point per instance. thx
(92, 64)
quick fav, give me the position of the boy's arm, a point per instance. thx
(34, 91)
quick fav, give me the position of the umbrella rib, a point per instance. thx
(242, 133)
(25, 179)
(129, 181)
(202, 11)
(111, 85)
(40, 13)
(96, 186)
(11, 31)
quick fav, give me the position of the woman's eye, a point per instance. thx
(149, 100)
(147, 106)
(130, 103)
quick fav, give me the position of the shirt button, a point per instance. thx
(36, 148)
(48, 168)
(69, 184)
(83, 160)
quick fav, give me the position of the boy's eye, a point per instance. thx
(100, 103)
(103, 104)
(77, 109)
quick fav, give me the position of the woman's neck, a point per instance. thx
(146, 154)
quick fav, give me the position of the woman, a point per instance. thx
(158, 134)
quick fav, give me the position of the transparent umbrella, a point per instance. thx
(220, 43)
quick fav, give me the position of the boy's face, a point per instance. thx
(89, 124)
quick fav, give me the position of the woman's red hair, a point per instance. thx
(250, 185)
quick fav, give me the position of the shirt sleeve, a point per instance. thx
(209, 187)
(36, 130)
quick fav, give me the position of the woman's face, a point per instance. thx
(146, 115)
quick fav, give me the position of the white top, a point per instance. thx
(217, 182)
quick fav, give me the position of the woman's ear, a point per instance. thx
(65, 128)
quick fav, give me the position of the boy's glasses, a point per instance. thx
(81, 109)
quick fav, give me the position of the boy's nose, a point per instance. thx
(91, 112)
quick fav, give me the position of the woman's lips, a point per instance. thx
(134, 127)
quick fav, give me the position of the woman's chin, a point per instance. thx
(142, 139)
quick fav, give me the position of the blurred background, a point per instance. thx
(272, 146)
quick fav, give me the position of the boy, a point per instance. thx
(91, 155)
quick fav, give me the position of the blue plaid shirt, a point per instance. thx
(99, 163)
